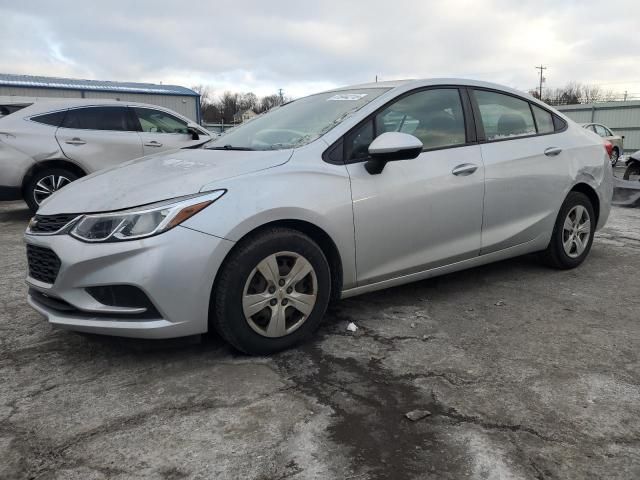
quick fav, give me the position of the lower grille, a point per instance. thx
(44, 264)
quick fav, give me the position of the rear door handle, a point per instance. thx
(75, 141)
(464, 169)
(153, 143)
(552, 151)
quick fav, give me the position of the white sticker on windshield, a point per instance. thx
(349, 97)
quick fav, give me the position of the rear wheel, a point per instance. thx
(572, 234)
(272, 292)
(632, 172)
(615, 155)
(44, 183)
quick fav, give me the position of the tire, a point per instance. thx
(556, 255)
(240, 282)
(50, 178)
(615, 156)
(632, 170)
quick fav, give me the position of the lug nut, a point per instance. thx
(273, 302)
(289, 290)
(281, 282)
(285, 301)
(272, 290)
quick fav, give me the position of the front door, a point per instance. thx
(161, 131)
(422, 213)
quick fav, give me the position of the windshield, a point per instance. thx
(296, 123)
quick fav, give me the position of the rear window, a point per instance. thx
(54, 119)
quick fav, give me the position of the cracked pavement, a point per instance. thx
(529, 373)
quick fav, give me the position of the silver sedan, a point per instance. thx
(329, 196)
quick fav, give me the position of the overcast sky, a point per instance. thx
(304, 47)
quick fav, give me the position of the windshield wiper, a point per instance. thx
(230, 147)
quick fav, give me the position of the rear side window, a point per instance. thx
(504, 116)
(544, 120)
(156, 121)
(98, 118)
(54, 119)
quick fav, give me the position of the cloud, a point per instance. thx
(303, 47)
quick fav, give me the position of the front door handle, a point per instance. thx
(153, 143)
(552, 151)
(464, 169)
(75, 141)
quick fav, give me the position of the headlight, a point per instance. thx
(143, 221)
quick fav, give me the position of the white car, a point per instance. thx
(50, 143)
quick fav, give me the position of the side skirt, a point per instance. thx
(534, 245)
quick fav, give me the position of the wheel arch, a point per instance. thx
(317, 234)
(45, 164)
(590, 192)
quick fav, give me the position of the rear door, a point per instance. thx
(160, 130)
(98, 137)
(526, 169)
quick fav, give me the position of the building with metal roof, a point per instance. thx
(180, 99)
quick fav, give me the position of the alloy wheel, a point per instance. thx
(48, 185)
(576, 231)
(280, 294)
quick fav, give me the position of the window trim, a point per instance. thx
(470, 130)
(482, 138)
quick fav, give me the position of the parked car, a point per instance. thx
(323, 198)
(606, 133)
(48, 144)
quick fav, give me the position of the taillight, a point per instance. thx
(608, 146)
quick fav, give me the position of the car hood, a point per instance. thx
(157, 177)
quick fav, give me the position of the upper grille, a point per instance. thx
(50, 223)
(43, 263)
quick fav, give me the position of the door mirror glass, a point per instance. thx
(392, 146)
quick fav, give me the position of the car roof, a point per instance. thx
(38, 105)
(426, 82)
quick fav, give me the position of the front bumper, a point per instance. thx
(175, 269)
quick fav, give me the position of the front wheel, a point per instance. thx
(572, 234)
(271, 292)
(45, 183)
(632, 172)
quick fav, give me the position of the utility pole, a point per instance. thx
(281, 97)
(625, 95)
(376, 78)
(542, 68)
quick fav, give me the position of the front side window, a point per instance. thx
(297, 123)
(434, 116)
(544, 120)
(98, 118)
(504, 116)
(155, 121)
(600, 130)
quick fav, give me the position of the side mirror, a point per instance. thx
(194, 132)
(390, 147)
